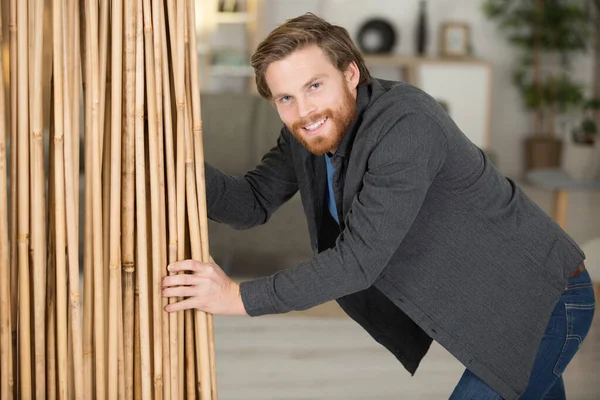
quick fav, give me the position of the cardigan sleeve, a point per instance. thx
(244, 202)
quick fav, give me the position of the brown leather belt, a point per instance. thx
(578, 271)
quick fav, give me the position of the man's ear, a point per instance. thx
(352, 75)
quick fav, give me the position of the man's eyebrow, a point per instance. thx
(307, 84)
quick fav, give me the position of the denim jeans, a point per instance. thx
(568, 326)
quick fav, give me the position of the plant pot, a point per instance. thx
(542, 152)
(580, 161)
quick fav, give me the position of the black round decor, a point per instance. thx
(376, 36)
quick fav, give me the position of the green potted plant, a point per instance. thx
(549, 33)
(581, 154)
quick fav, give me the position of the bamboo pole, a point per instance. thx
(61, 273)
(71, 170)
(38, 213)
(75, 69)
(91, 22)
(180, 191)
(206, 327)
(157, 9)
(137, 365)
(128, 190)
(142, 269)
(14, 264)
(5, 310)
(25, 378)
(115, 198)
(189, 355)
(154, 198)
(171, 204)
(88, 273)
(51, 272)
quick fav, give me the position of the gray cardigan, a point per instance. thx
(427, 220)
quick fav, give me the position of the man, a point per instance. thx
(415, 233)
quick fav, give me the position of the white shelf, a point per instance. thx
(234, 17)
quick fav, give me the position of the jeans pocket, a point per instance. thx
(579, 320)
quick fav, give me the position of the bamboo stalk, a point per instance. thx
(189, 355)
(38, 213)
(128, 182)
(13, 217)
(120, 355)
(154, 198)
(208, 340)
(5, 310)
(61, 267)
(137, 365)
(146, 368)
(75, 69)
(51, 272)
(157, 9)
(25, 378)
(91, 22)
(115, 198)
(176, 53)
(71, 195)
(88, 274)
(172, 206)
(103, 58)
(105, 162)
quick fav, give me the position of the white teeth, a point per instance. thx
(314, 126)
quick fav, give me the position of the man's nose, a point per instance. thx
(305, 107)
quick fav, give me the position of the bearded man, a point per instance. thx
(414, 232)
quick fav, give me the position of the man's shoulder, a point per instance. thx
(399, 98)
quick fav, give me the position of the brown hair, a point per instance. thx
(303, 31)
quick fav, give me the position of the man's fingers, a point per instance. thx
(185, 265)
(181, 279)
(191, 265)
(186, 304)
(180, 291)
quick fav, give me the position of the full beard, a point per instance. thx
(339, 121)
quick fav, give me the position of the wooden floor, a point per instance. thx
(321, 355)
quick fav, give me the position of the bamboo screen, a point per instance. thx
(101, 97)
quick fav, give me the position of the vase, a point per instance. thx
(421, 29)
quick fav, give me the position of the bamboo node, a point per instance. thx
(12, 27)
(37, 134)
(23, 238)
(147, 28)
(58, 139)
(129, 267)
(75, 300)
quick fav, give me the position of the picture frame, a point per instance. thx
(455, 39)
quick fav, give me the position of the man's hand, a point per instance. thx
(207, 288)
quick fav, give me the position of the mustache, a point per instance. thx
(307, 121)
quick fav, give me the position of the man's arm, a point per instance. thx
(400, 170)
(244, 202)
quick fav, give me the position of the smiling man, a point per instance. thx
(414, 232)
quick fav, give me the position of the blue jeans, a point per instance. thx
(568, 326)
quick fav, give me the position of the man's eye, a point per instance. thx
(316, 85)
(285, 99)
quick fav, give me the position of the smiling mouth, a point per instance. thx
(314, 127)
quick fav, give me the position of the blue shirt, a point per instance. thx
(330, 196)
